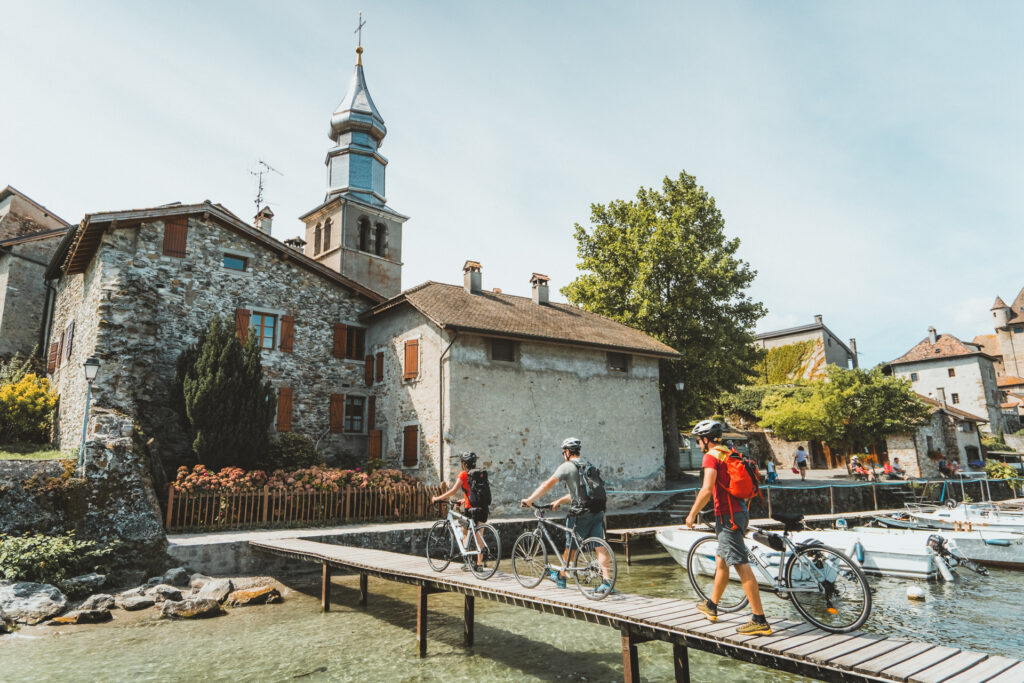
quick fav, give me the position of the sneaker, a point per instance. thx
(752, 628)
(605, 588)
(711, 614)
(559, 580)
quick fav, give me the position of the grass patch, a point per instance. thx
(33, 451)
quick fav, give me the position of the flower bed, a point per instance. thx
(234, 479)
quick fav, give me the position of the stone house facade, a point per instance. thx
(29, 235)
(954, 372)
(949, 433)
(829, 349)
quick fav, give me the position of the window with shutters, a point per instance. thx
(51, 358)
(175, 236)
(411, 361)
(371, 412)
(368, 370)
(379, 374)
(354, 414)
(410, 445)
(337, 413)
(60, 347)
(503, 350)
(284, 409)
(265, 325)
(356, 344)
(287, 333)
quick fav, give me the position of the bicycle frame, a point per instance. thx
(779, 586)
(575, 540)
(457, 530)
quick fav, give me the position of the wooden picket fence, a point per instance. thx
(208, 511)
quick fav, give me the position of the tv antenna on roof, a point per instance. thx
(264, 169)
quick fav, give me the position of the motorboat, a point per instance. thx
(980, 544)
(969, 516)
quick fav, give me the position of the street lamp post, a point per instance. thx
(91, 366)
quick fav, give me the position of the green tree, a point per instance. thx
(221, 396)
(851, 409)
(663, 264)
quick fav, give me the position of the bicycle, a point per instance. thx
(481, 552)
(530, 557)
(824, 585)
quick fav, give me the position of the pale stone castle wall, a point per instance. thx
(974, 383)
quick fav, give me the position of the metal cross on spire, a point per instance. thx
(359, 28)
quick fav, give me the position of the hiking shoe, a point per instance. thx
(605, 588)
(752, 628)
(559, 580)
(711, 614)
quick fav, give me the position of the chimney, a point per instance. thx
(296, 243)
(817, 319)
(853, 347)
(471, 277)
(540, 288)
(941, 393)
(933, 338)
(263, 219)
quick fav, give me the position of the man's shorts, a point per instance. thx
(731, 546)
(585, 525)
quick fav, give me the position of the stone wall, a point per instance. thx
(974, 383)
(23, 294)
(136, 310)
(946, 436)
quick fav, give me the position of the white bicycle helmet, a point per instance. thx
(573, 444)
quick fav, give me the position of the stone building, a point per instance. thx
(29, 235)
(1006, 345)
(952, 372)
(949, 433)
(365, 369)
(828, 348)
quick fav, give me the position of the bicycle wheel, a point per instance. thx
(490, 552)
(529, 559)
(700, 566)
(441, 546)
(829, 590)
(587, 570)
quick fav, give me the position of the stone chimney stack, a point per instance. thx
(263, 219)
(817, 319)
(853, 347)
(933, 337)
(471, 277)
(940, 394)
(540, 288)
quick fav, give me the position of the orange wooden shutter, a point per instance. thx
(375, 444)
(242, 324)
(410, 445)
(340, 339)
(412, 359)
(368, 371)
(175, 236)
(287, 333)
(337, 413)
(371, 413)
(380, 366)
(284, 409)
(60, 348)
(51, 358)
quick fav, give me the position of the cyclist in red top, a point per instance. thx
(479, 515)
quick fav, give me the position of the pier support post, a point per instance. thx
(421, 620)
(831, 501)
(467, 610)
(362, 589)
(769, 488)
(682, 663)
(325, 589)
(625, 538)
(874, 493)
(630, 662)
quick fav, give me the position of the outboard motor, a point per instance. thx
(940, 546)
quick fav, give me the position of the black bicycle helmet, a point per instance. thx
(573, 444)
(468, 457)
(711, 429)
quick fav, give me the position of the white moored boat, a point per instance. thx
(987, 547)
(985, 516)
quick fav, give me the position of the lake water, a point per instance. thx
(294, 640)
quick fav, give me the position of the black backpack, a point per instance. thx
(479, 489)
(593, 497)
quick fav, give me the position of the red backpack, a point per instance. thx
(743, 477)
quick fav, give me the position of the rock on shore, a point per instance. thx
(31, 603)
(216, 589)
(163, 592)
(264, 595)
(131, 603)
(82, 616)
(97, 601)
(191, 608)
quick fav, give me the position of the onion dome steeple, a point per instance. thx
(355, 167)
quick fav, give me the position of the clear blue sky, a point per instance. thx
(868, 155)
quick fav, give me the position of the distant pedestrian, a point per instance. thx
(772, 474)
(800, 462)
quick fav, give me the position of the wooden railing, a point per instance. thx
(205, 511)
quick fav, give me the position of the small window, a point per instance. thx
(354, 411)
(951, 372)
(327, 234)
(618, 362)
(503, 350)
(265, 325)
(355, 344)
(956, 398)
(317, 236)
(232, 262)
(913, 377)
(1018, 330)
(380, 242)
(364, 234)
(968, 426)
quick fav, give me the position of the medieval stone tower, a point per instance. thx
(353, 231)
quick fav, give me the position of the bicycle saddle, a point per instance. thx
(790, 520)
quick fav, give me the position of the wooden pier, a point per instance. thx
(793, 646)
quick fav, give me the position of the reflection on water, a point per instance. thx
(294, 640)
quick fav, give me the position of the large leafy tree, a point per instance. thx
(222, 399)
(850, 410)
(662, 263)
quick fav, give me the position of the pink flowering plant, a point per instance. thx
(234, 479)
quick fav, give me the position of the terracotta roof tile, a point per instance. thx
(936, 406)
(451, 306)
(946, 346)
(989, 344)
(998, 304)
(1009, 381)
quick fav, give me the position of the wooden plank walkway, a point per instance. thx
(794, 647)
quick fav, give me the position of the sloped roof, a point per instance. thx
(9, 190)
(801, 329)
(1017, 308)
(998, 304)
(989, 343)
(1009, 381)
(506, 315)
(945, 346)
(79, 246)
(935, 406)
